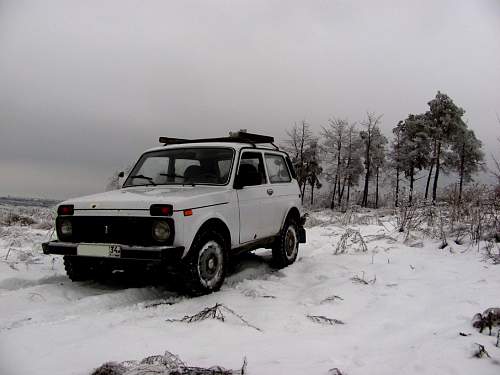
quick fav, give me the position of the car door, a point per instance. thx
(252, 198)
(283, 188)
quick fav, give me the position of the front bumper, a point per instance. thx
(152, 253)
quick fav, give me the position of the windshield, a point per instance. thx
(183, 166)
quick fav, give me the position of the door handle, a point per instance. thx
(270, 191)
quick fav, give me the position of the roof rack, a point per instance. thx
(238, 137)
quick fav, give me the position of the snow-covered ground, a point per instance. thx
(406, 320)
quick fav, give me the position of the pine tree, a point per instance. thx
(395, 158)
(414, 147)
(466, 156)
(445, 119)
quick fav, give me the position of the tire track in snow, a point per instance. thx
(57, 302)
(16, 283)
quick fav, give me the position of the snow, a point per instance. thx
(407, 320)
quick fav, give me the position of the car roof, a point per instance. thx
(235, 145)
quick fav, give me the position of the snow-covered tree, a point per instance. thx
(379, 142)
(445, 119)
(313, 167)
(334, 136)
(353, 166)
(414, 148)
(466, 156)
(371, 136)
(395, 159)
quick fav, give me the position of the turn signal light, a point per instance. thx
(188, 212)
(161, 210)
(65, 209)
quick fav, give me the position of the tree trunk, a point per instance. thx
(412, 180)
(337, 174)
(348, 192)
(429, 180)
(312, 194)
(332, 204)
(376, 191)
(396, 203)
(342, 191)
(303, 191)
(462, 168)
(436, 176)
(339, 195)
(364, 203)
(430, 172)
(367, 175)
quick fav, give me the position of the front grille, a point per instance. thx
(115, 229)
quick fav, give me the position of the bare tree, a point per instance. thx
(352, 163)
(378, 158)
(313, 167)
(299, 139)
(334, 136)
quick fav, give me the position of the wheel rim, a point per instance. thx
(291, 243)
(210, 264)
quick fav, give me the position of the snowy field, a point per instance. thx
(403, 307)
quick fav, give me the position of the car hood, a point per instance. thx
(134, 198)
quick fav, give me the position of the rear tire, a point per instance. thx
(286, 247)
(204, 268)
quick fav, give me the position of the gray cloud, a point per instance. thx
(86, 86)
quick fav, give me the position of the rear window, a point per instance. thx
(277, 169)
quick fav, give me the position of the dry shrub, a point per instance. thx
(351, 239)
(166, 364)
(320, 319)
(218, 312)
(12, 218)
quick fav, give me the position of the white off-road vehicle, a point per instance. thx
(183, 209)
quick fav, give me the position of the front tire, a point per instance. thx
(286, 247)
(204, 268)
(76, 269)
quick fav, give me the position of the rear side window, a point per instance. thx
(277, 169)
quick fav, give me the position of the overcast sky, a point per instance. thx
(86, 86)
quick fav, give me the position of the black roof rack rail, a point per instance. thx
(238, 137)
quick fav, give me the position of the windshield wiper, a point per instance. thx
(171, 175)
(150, 179)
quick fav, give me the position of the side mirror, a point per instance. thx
(121, 174)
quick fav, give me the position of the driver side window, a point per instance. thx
(251, 169)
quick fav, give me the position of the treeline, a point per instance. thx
(358, 156)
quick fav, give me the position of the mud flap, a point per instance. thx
(302, 235)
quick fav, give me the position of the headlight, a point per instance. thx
(66, 228)
(161, 231)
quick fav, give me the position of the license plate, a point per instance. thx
(96, 250)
